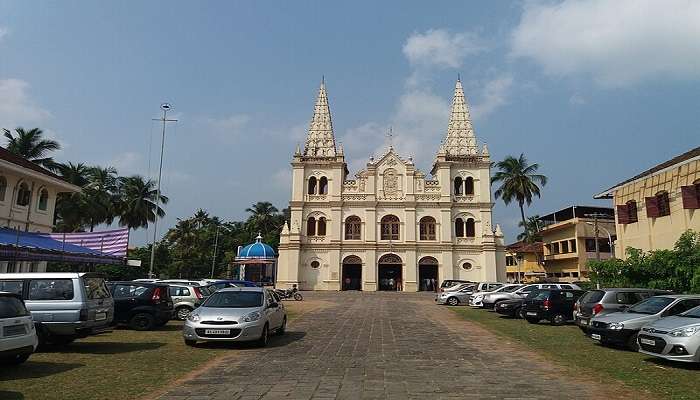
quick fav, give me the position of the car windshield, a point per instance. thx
(652, 305)
(234, 300)
(692, 313)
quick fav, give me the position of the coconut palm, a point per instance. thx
(519, 182)
(137, 202)
(32, 146)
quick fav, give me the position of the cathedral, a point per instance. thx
(390, 227)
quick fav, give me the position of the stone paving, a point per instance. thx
(384, 346)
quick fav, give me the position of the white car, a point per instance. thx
(475, 300)
(18, 338)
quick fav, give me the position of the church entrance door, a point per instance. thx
(352, 273)
(390, 275)
(427, 274)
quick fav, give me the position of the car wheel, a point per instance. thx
(298, 297)
(558, 319)
(183, 312)
(264, 337)
(190, 343)
(16, 359)
(283, 328)
(532, 320)
(142, 322)
(453, 301)
(632, 343)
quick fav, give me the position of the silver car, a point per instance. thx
(236, 315)
(622, 327)
(674, 338)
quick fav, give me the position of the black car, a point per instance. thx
(512, 308)
(141, 305)
(554, 305)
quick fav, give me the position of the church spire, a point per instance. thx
(320, 141)
(460, 140)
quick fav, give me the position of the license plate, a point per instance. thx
(647, 341)
(595, 336)
(217, 331)
(534, 314)
(583, 321)
(100, 316)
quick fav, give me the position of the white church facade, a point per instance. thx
(390, 227)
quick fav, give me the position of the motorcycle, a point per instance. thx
(292, 293)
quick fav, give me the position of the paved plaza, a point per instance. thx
(384, 346)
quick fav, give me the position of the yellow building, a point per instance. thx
(570, 241)
(655, 207)
(525, 260)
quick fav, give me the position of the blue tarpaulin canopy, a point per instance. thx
(16, 245)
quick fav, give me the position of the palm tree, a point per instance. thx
(531, 230)
(32, 146)
(137, 202)
(519, 182)
(263, 217)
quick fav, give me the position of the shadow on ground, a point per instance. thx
(103, 347)
(34, 369)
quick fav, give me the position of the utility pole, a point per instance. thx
(164, 119)
(216, 244)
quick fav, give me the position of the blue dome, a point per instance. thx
(257, 250)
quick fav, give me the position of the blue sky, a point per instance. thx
(594, 91)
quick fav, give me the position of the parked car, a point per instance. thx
(491, 299)
(554, 305)
(64, 306)
(673, 338)
(236, 314)
(622, 327)
(456, 297)
(18, 338)
(475, 300)
(600, 302)
(186, 297)
(141, 305)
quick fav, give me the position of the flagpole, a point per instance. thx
(165, 107)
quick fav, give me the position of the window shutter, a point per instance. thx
(652, 205)
(691, 197)
(623, 214)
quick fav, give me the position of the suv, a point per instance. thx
(623, 327)
(555, 305)
(490, 300)
(141, 305)
(600, 302)
(186, 297)
(64, 306)
(17, 334)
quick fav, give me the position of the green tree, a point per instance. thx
(137, 202)
(519, 181)
(32, 145)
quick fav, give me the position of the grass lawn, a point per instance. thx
(568, 346)
(123, 364)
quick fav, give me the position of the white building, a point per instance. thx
(390, 228)
(28, 195)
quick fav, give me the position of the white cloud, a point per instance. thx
(228, 128)
(494, 95)
(437, 47)
(616, 42)
(17, 108)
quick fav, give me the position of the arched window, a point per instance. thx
(23, 194)
(311, 226)
(312, 185)
(43, 200)
(3, 187)
(469, 186)
(353, 228)
(459, 227)
(390, 227)
(631, 211)
(321, 231)
(323, 185)
(470, 228)
(458, 186)
(427, 228)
